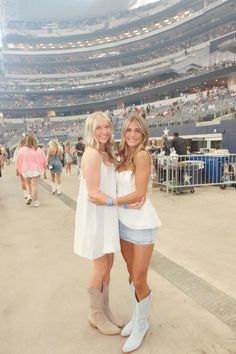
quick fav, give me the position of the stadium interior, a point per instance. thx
(174, 61)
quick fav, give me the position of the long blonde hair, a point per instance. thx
(54, 144)
(90, 139)
(125, 156)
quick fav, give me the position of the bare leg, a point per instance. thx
(35, 183)
(69, 167)
(58, 179)
(53, 177)
(141, 260)
(28, 185)
(99, 271)
(23, 185)
(127, 250)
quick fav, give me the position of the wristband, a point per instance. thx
(125, 206)
(109, 202)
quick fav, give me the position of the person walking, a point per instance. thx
(96, 227)
(137, 226)
(54, 164)
(79, 150)
(31, 163)
(23, 184)
(68, 158)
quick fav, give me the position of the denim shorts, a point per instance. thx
(137, 236)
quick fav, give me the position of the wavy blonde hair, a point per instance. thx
(90, 139)
(125, 156)
(56, 145)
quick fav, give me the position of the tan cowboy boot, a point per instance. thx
(116, 321)
(97, 317)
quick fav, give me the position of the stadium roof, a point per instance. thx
(60, 9)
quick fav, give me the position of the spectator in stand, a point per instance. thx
(31, 163)
(79, 150)
(179, 144)
(55, 152)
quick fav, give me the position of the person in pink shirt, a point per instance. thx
(31, 163)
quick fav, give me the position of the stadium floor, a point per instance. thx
(43, 298)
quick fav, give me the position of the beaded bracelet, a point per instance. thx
(109, 202)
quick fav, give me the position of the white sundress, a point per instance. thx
(96, 227)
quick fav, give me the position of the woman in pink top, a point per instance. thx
(31, 163)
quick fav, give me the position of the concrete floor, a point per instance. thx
(43, 299)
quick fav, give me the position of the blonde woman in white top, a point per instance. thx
(137, 227)
(96, 227)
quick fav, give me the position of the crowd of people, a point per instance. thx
(10, 100)
(33, 160)
(121, 57)
(213, 103)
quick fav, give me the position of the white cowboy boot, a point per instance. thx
(140, 326)
(126, 331)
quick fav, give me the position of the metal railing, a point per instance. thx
(175, 174)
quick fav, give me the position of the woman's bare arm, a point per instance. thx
(91, 166)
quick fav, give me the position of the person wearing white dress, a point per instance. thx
(137, 227)
(96, 227)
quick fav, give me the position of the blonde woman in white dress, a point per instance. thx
(96, 227)
(137, 227)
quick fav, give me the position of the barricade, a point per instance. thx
(182, 173)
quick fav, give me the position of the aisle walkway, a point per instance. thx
(43, 299)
